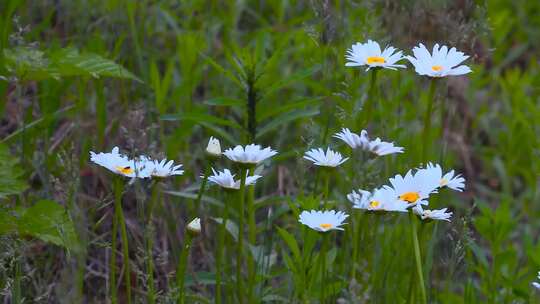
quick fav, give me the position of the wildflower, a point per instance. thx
(370, 54)
(328, 159)
(437, 214)
(450, 179)
(442, 62)
(213, 148)
(362, 141)
(323, 220)
(161, 168)
(194, 226)
(536, 284)
(120, 164)
(382, 199)
(251, 154)
(226, 180)
(414, 188)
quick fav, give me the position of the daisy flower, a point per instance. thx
(214, 147)
(323, 221)
(370, 54)
(251, 154)
(437, 214)
(120, 164)
(414, 188)
(450, 179)
(440, 63)
(362, 141)
(226, 180)
(328, 159)
(161, 168)
(536, 284)
(382, 199)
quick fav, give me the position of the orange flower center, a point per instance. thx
(124, 170)
(325, 226)
(410, 197)
(443, 182)
(375, 59)
(436, 68)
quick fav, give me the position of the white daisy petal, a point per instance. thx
(226, 180)
(120, 164)
(370, 55)
(362, 141)
(328, 159)
(440, 63)
(323, 221)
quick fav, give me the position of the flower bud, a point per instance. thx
(213, 148)
(194, 226)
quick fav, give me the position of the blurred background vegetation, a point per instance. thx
(160, 77)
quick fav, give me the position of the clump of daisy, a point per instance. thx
(362, 141)
(120, 164)
(226, 180)
(323, 221)
(440, 63)
(382, 199)
(369, 54)
(329, 158)
(249, 155)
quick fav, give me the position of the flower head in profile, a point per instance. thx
(120, 164)
(161, 168)
(226, 180)
(414, 188)
(323, 221)
(440, 63)
(362, 141)
(536, 284)
(250, 154)
(214, 147)
(370, 55)
(382, 199)
(450, 179)
(194, 226)
(437, 214)
(328, 159)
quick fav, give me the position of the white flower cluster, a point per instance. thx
(441, 62)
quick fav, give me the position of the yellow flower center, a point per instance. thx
(124, 170)
(375, 59)
(374, 204)
(443, 182)
(325, 226)
(410, 197)
(436, 68)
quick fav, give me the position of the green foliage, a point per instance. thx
(11, 174)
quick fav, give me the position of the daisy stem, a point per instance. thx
(426, 145)
(182, 265)
(125, 252)
(369, 102)
(326, 189)
(201, 189)
(417, 256)
(117, 206)
(219, 252)
(240, 250)
(324, 249)
(149, 234)
(252, 236)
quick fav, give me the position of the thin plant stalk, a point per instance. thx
(182, 266)
(220, 247)
(201, 189)
(117, 206)
(364, 120)
(240, 251)
(326, 188)
(125, 252)
(252, 236)
(417, 257)
(324, 249)
(16, 291)
(149, 235)
(426, 145)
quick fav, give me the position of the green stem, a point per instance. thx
(125, 253)
(326, 189)
(149, 235)
(16, 291)
(117, 206)
(201, 189)
(324, 249)
(364, 120)
(252, 237)
(426, 145)
(240, 250)
(182, 265)
(219, 252)
(417, 256)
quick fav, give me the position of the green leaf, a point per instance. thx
(200, 117)
(225, 102)
(223, 71)
(280, 120)
(291, 243)
(50, 222)
(11, 175)
(288, 80)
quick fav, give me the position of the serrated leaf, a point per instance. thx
(11, 175)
